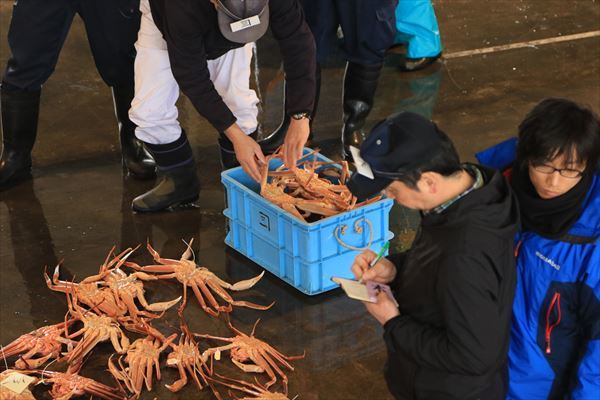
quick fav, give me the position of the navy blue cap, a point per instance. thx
(397, 145)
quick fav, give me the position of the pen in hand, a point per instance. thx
(384, 248)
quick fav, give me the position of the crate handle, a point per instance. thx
(358, 229)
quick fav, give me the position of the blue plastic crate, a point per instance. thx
(306, 255)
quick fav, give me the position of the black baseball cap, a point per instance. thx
(397, 145)
(242, 21)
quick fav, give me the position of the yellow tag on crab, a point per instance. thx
(17, 382)
(218, 355)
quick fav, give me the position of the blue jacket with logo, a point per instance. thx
(555, 335)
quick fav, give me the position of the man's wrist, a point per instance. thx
(234, 132)
(299, 116)
(299, 122)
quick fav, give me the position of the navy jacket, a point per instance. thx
(455, 289)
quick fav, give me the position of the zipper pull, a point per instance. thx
(554, 302)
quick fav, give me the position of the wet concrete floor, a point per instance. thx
(78, 204)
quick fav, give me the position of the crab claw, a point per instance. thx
(247, 284)
(163, 306)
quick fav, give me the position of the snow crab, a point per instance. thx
(202, 281)
(262, 357)
(142, 359)
(46, 341)
(303, 192)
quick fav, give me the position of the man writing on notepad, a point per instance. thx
(448, 338)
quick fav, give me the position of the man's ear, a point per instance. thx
(429, 182)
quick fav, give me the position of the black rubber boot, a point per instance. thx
(276, 138)
(228, 158)
(360, 83)
(137, 160)
(177, 183)
(20, 111)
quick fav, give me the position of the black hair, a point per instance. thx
(559, 127)
(444, 160)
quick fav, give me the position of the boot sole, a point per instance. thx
(178, 205)
(17, 178)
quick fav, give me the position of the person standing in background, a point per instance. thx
(368, 28)
(418, 29)
(204, 48)
(37, 32)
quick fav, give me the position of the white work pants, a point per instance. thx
(153, 108)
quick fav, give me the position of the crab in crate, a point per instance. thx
(303, 192)
(251, 354)
(66, 385)
(142, 360)
(202, 281)
(46, 342)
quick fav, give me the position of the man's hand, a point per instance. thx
(247, 151)
(384, 309)
(294, 142)
(383, 272)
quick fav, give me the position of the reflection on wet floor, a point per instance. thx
(78, 205)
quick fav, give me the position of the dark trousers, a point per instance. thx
(38, 30)
(369, 27)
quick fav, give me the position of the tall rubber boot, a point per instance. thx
(20, 112)
(275, 139)
(137, 160)
(228, 158)
(360, 83)
(177, 182)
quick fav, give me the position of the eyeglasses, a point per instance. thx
(565, 172)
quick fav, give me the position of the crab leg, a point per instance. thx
(83, 347)
(225, 296)
(32, 363)
(119, 374)
(208, 310)
(181, 382)
(122, 346)
(260, 360)
(16, 347)
(161, 306)
(205, 289)
(154, 268)
(210, 352)
(254, 306)
(249, 367)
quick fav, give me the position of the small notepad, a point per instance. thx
(354, 289)
(366, 291)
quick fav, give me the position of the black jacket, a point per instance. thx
(192, 34)
(455, 288)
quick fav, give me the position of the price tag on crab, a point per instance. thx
(218, 355)
(17, 382)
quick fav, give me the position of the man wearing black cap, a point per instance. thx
(204, 48)
(448, 339)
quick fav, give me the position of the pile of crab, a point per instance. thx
(311, 191)
(111, 306)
